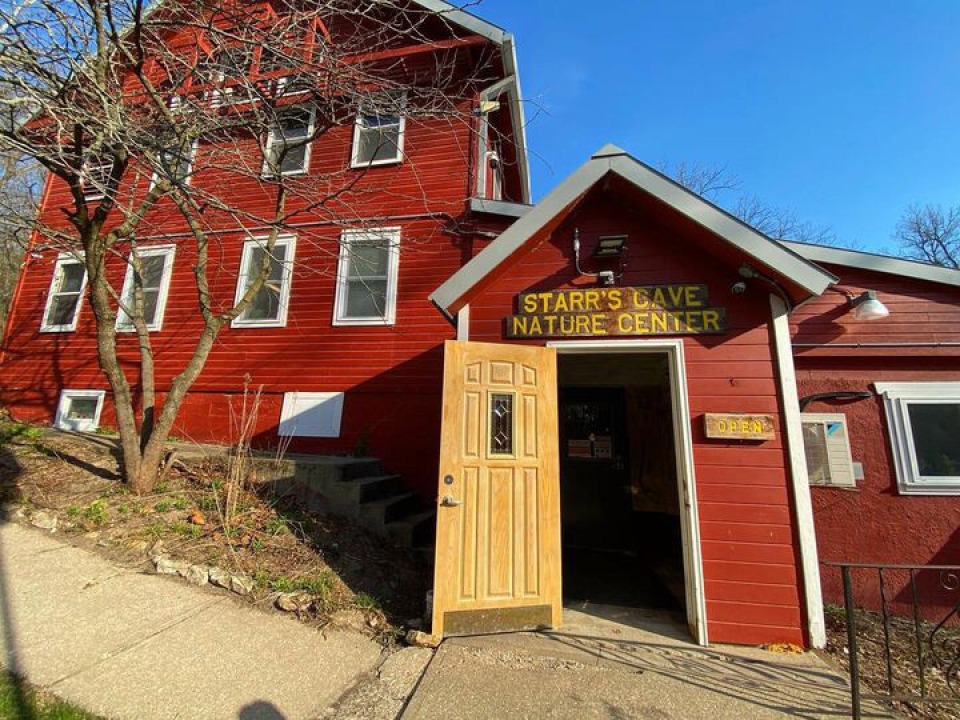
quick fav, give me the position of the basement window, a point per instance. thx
(156, 269)
(63, 300)
(923, 419)
(311, 414)
(79, 410)
(268, 308)
(826, 444)
(378, 134)
(367, 277)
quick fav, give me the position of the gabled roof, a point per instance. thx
(767, 252)
(876, 263)
(466, 20)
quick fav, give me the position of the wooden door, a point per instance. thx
(498, 515)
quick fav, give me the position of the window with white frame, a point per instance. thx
(156, 268)
(268, 308)
(826, 444)
(311, 414)
(378, 133)
(79, 410)
(288, 146)
(367, 277)
(224, 68)
(923, 419)
(175, 164)
(66, 291)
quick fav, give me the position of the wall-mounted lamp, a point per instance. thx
(611, 247)
(867, 307)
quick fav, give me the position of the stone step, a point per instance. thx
(376, 514)
(415, 531)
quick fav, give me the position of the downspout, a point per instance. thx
(803, 506)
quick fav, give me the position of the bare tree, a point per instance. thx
(20, 183)
(177, 110)
(719, 185)
(931, 234)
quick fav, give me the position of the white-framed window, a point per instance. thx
(94, 178)
(156, 269)
(367, 277)
(79, 410)
(288, 149)
(311, 414)
(923, 419)
(268, 308)
(223, 67)
(378, 135)
(65, 295)
(175, 164)
(826, 444)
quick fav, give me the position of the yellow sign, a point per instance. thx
(739, 427)
(646, 310)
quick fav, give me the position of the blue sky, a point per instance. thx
(845, 111)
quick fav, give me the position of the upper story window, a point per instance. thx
(156, 268)
(175, 164)
(367, 277)
(66, 291)
(924, 423)
(378, 135)
(268, 308)
(223, 67)
(94, 178)
(288, 144)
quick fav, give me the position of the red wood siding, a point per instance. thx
(874, 523)
(747, 539)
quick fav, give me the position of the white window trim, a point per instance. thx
(152, 251)
(187, 181)
(92, 194)
(392, 235)
(290, 241)
(289, 424)
(62, 406)
(271, 135)
(355, 162)
(61, 259)
(823, 418)
(897, 396)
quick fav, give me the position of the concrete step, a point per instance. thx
(415, 531)
(365, 489)
(376, 514)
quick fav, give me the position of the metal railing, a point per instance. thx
(919, 614)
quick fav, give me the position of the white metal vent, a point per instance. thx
(311, 414)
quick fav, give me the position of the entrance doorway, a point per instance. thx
(629, 535)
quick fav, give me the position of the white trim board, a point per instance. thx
(686, 471)
(802, 504)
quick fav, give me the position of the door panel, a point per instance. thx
(498, 522)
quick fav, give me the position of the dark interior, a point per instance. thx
(619, 500)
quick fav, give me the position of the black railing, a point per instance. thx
(906, 620)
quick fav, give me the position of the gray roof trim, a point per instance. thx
(499, 207)
(518, 114)
(610, 158)
(464, 19)
(876, 262)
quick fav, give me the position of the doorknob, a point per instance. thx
(450, 501)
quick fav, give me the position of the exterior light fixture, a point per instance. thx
(610, 246)
(867, 307)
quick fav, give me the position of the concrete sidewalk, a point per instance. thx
(127, 645)
(595, 668)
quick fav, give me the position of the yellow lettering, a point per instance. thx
(658, 299)
(659, 322)
(519, 326)
(711, 321)
(576, 301)
(641, 298)
(695, 321)
(597, 324)
(676, 295)
(583, 325)
(614, 299)
(566, 324)
(560, 304)
(551, 324)
(536, 328)
(529, 304)
(623, 324)
(693, 299)
(757, 427)
(592, 300)
(545, 301)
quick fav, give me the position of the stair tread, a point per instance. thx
(391, 500)
(414, 519)
(369, 479)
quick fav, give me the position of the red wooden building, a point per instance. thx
(702, 377)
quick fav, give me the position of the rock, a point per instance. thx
(349, 619)
(417, 638)
(44, 520)
(197, 518)
(294, 602)
(219, 577)
(241, 584)
(166, 565)
(196, 574)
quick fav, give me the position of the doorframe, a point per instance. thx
(683, 445)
